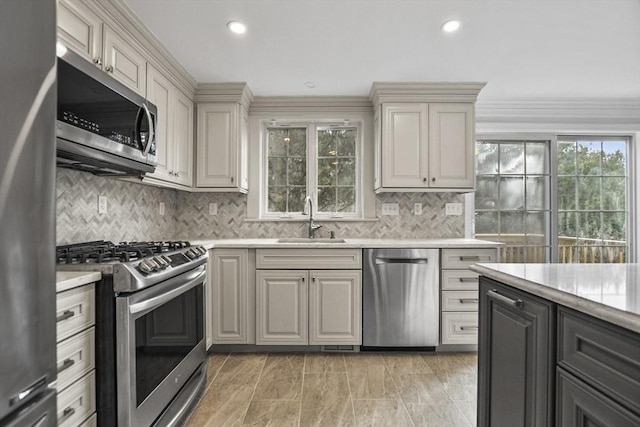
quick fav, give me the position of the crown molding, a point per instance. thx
(237, 92)
(382, 92)
(606, 113)
(308, 104)
(119, 15)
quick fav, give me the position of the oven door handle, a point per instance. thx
(193, 279)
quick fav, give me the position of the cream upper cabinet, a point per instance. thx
(83, 31)
(221, 147)
(80, 29)
(124, 62)
(426, 136)
(451, 145)
(174, 131)
(405, 148)
(232, 298)
(281, 307)
(335, 307)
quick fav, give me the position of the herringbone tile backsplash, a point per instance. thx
(133, 214)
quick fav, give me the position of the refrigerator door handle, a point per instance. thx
(42, 382)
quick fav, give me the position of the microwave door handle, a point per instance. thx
(152, 133)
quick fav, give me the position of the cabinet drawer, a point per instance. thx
(464, 258)
(581, 405)
(459, 328)
(459, 300)
(288, 258)
(76, 357)
(75, 311)
(459, 280)
(77, 402)
(92, 421)
(605, 356)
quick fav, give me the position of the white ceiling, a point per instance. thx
(522, 48)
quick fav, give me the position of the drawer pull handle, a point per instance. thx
(66, 365)
(468, 300)
(66, 414)
(468, 328)
(518, 303)
(468, 279)
(66, 315)
(470, 258)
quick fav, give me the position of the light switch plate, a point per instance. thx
(453, 208)
(390, 209)
(102, 204)
(213, 209)
(417, 208)
(161, 208)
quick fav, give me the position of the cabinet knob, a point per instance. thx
(109, 69)
(433, 179)
(97, 61)
(424, 179)
(231, 179)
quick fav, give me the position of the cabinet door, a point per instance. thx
(581, 405)
(335, 307)
(230, 296)
(217, 150)
(377, 147)
(451, 145)
(516, 358)
(183, 139)
(124, 62)
(404, 145)
(160, 93)
(80, 29)
(281, 307)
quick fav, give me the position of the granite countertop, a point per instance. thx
(349, 243)
(610, 292)
(66, 280)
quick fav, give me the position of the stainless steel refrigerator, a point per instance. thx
(27, 213)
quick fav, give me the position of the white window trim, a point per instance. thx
(365, 197)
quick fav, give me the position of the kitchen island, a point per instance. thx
(559, 344)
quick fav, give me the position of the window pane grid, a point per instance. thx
(512, 198)
(287, 170)
(336, 170)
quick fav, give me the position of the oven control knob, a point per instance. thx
(144, 267)
(154, 265)
(202, 250)
(191, 254)
(161, 262)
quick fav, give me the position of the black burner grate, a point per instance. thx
(104, 251)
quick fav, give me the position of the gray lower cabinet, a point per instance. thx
(515, 358)
(581, 405)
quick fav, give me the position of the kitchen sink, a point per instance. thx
(307, 240)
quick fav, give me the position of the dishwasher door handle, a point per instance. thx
(402, 260)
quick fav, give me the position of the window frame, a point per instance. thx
(312, 128)
(552, 138)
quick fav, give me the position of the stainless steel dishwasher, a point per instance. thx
(400, 302)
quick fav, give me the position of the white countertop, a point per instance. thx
(71, 279)
(349, 243)
(609, 292)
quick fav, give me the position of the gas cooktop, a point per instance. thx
(133, 265)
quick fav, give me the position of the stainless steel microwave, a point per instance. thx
(103, 127)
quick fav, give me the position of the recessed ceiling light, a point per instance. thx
(451, 25)
(309, 85)
(237, 27)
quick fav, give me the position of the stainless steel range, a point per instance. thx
(150, 348)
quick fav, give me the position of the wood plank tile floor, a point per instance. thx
(339, 389)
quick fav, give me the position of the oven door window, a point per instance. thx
(164, 337)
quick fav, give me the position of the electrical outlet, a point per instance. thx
(453, 208)
(213, 209)
(161, 208)
(390, 209)
(417, 208)
(102, 204)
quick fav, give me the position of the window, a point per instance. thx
(514, 199)
(316, 160)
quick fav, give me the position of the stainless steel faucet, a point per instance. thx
(312, 227)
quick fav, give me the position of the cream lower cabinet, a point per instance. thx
(459, 294)
(231, 313)
(298, 306)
